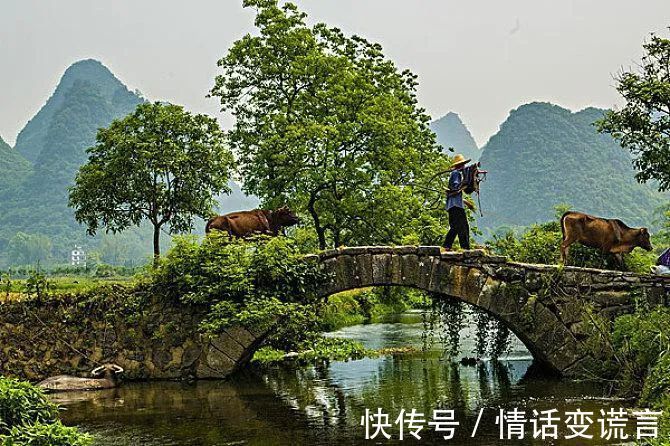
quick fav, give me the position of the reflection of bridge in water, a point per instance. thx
(543, 305)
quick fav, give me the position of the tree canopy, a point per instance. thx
(161, 164)
(642, 125)
(327, 124)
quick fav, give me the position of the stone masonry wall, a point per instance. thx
(156, 340)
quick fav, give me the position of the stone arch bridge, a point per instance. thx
(545, 306)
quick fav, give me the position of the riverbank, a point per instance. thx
(349, 308)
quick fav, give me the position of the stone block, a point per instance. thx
(380, 250)
(488, 293)
(493, 259)
(396, 269)
(328, 254)
(437, 271)
(566, 356)
(364, 269)
(452, 256)
(410, 270)
(425, 272)
(404, 250)
(381, 268)
(456, 282)
(428, 250)
(611, 298)
(241, 335)
(470, 253)
(225, 344)
(346, 273)
(353, 250)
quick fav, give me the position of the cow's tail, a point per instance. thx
(563, 223)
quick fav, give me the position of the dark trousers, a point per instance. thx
(458, 225)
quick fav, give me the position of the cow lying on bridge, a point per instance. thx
(609, 235)
(258, 221)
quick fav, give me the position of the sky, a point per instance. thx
(477, 58)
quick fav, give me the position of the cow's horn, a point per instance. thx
(117, 369)
(97, 370)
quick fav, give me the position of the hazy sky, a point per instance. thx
(478, 58)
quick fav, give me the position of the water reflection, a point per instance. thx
(323, 405)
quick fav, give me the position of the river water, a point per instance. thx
(324, 405)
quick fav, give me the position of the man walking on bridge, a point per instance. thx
(458, 220)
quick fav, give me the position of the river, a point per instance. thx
(323, 405)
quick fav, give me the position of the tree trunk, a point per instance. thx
(157, 244)
(320, 232)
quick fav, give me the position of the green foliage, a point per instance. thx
(21, 403)
(642, 125)
(545, 154)
(326, 123)
(319, 349)
(28, 418)
(639, 341)
(172, 164)
(656, 390)
(53, 434)
(493, 337)
(37, 284)
(11, 161)
(251, 282)
(28, 249)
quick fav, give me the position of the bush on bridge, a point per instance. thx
(251, 282)
(27, 417)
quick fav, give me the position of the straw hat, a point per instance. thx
(459, 160)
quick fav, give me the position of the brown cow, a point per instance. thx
(608, 235)
(258, 221)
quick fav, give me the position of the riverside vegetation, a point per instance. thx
(28, 418)
(636, 363)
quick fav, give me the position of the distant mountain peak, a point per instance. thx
(451, 132)
(90, 70)
(33, 137)
(545, 155)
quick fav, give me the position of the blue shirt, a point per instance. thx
(455, 181)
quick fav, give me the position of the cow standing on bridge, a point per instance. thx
(609, 235)
(259, 221)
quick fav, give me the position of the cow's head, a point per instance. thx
(284, 217)
(643, 240)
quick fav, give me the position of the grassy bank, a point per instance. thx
(366, 305)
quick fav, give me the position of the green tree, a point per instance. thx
(28, 249)
(642, 125)
(326, 123)
(161, 164)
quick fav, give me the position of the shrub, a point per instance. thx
(21, 403)
(53, 434)
(252, 282)
(28, 418)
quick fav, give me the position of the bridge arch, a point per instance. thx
(551, 325)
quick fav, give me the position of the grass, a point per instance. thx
(17, 289)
